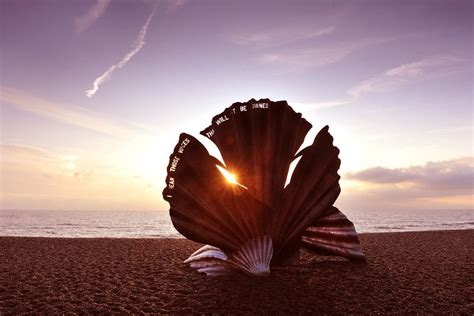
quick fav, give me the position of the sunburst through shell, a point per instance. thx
(252, 221)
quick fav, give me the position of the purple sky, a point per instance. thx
(393, 79)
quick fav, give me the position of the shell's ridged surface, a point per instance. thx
(204, 207)
(254, 257)
(313, 188)
(259, 222)
(211, 261)
(258, 140)
(208, 252)
(333, 234)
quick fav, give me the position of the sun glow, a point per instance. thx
(230, 177)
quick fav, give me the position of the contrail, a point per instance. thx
(139, 43)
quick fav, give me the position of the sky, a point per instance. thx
(95, 93)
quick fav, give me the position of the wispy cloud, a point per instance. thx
(424, 69)
(307, 58)
(23, 152)
(280, 36)
(320, 105)
(296, 58)
(33, 178)
(451, 177)
(67, 114)
(454, 129)
(20, 159)
(176, 4)
(139, 43)
(83, 22)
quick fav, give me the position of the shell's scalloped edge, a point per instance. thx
(251, 101)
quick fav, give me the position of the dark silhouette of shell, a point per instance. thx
(258, 222)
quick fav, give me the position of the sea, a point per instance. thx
(157, 224)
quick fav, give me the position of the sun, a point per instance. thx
(230, 177)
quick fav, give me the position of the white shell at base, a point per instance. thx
(211, 261)
(207, 252)
(252, 258)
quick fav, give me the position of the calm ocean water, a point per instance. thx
(134, 224)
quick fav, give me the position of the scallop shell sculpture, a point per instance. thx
(253, 222)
